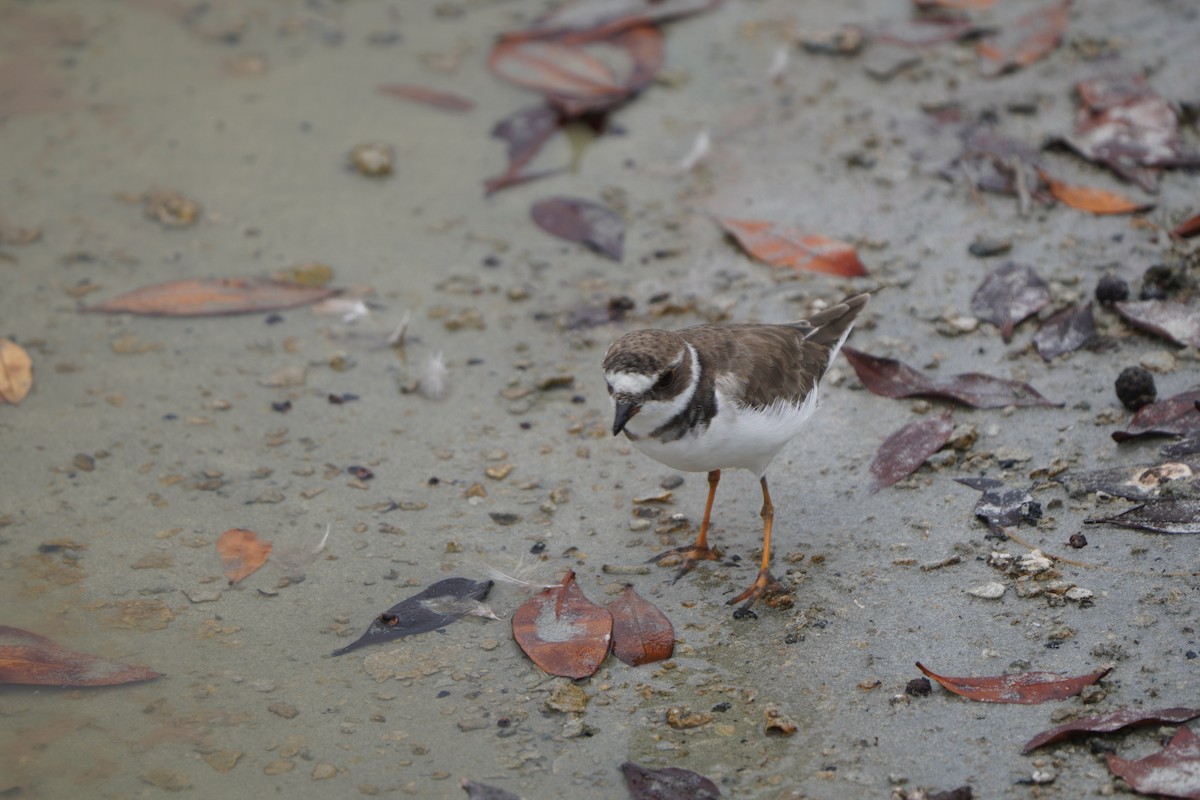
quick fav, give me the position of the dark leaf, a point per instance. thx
(1030, 38)
(1159, 516)
(1009, 294)
(668, 783)
(242, 552)
(891, 378)
(1108, 723)
(781, 246)
(1176, 322)
(562, 631)
(582, 222)
(27, 658)
(1172, 772)
(436, 606)
(1002, 505)
(1175, 416)
(207, 297)
(481, 791)
(1001, 164)
(1188, 228)
(430, 97)
(1020, 687)
(905, 451)
(1138, 482)
(641, 633)
(1184, 447)
(1066, 331)
(525, 131)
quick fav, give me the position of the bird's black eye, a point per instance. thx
(665, 379)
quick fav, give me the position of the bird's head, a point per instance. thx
(646, 372)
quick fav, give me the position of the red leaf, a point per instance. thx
(1029, 39)
(582, 222)
(891, 378)
(562, 631)
(642, 634)
(905, 451)
(1174, 416)
(781, 246)
(27, 658)
(668, 783)
(525, 131)
(1172, 772)
(1096, 201)
(1176, 322)
(430, 97)
(209, 297)
(242, 553)
(1066, 331)
(1009, 294)
(1188, 228)
(1108, 723)
(1019, 687)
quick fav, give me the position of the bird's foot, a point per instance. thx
(690, 553)
(765, 586)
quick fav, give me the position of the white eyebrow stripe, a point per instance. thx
(630, 383)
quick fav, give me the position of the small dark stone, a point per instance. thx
(282, 407)
(1160, 281)
(273, 319)
(617, 306)
(744, 613)
(525, 425)
(722, 707)
(492, 261)
(672, 482)
(1189, 655)
(1102, 746)
(1135, 388)
(918, 687)
(434, 481)
(538, 548)
(1078, 541)
(1111, 289)
(578, 399)
(985, 246)
(362, 473)
(504, 517)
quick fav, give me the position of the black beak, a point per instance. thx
(625, 409)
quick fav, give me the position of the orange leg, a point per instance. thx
(699, 549)
(764, 579)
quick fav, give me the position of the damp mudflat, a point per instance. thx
(455, 422)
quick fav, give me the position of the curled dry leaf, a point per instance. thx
(27, 658)
(1178, 415)
(209, 297)
(781, 246)
(562, 631)
(1176, 322)
(445, 101)
(1068, 330)
(1136, 482)
(891, 378)
(1108, 723)
(242, 552)
(641, 632)
(582, 222)
(1019, 687)
(436, 606)
(668, 783)
(1009, 294)
(1159, 516)
(16, 372)
(905, 451)
(1172, 772)
(1096, 201)
(1032, 37)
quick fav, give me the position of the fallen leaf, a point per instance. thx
(524, 131)
(1184, 447)
(905, 451)
(1018, 687)
(953, 5)
(1096, 201)
(668, 783)
(781, 246)
(641, 633)
(562, 631)
(1000, 164)
(481, 791)
(1066, 331)
(921, 32)
(890, 378)
(27, 658)
(16, 372)
(1108, 723)
(1032, 37)
(1136, 482)
(204, 297)
(435, 606)
(599, 19)
(1001, 504)
(1158, 516)
(566, 74)
(1178, 415)
(582, 222)
(1178, 323)
(1188, 228)
(242, 553)
(1009, 294)
(430, 97)
(1172, 772)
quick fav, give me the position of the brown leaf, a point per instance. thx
(27, 658)
(1178, 415)
(242, 553)
(668, 783)
(1096, 201)
(1159, 516)
(562, 631)
(1019, 687)
(525, 131)
(781, 246)
(890, 378)
(16, 372)
(589, 21)
(641, 634)
(1172, 772)
(1176, 322)
(430, 97)
(583, 222)
(1188, 228)
(1030, 38)
(1068, 330)
(1108, 723)
(905, 451)
(1009, 294)
(207, 297)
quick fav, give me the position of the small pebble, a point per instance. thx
(1111, 289)
(324, 771)
(1135, 388)
(1077, 540)
(985, 246)
(918, 687)
(374, 159)
(988, 591)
